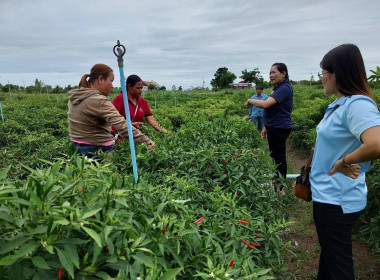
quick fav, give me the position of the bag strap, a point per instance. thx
(308, 162)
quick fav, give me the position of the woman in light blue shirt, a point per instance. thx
(348, 138)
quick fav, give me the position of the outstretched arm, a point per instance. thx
(270, 101)
(152, 122)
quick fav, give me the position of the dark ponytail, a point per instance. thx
(96, 71)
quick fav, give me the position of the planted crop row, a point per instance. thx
(201, 209)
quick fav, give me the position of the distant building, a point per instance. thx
(147, 84)
(241, 85)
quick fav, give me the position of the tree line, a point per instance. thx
(223, 78)
(38, 87)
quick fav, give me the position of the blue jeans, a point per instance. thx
(91, 150)
(259, 121)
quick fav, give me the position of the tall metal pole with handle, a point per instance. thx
(119, 54)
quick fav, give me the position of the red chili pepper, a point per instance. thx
(225, 171)
(252, 151)
(364, 222)
(231, 263)
(246, 243)
(165, 229)
(60, 272)
(200, 219)
(118, 175)
(236, 155)
(257, 235)
(10, 172)
(225, 162)
(214, 151)
(93, 216)
(208, 165)
(196, 132)
(193, 163)
(255, 244)
(169, 170)
(81, 189)
(237, 193)
(243, 222)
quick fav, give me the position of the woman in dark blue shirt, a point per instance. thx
(278, 124)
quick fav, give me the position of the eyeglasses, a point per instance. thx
(320, 75)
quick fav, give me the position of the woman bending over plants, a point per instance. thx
(138, 106)
(91, 114)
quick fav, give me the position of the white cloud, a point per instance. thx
(178, 42)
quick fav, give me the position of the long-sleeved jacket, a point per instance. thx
(91, 115)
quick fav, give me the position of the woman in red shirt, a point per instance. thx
(138, 106)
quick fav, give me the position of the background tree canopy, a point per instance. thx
(223, 78)
(252, 76)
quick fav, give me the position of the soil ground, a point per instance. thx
(303, 264)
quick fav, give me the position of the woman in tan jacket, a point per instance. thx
(91, 114)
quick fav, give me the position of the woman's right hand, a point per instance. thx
(352, 171)
(263, 133)
(152, 144)
(138, 125)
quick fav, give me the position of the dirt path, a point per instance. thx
(303, 264)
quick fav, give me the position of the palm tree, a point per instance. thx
(375, 77)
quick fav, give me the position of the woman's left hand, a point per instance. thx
(351, 171)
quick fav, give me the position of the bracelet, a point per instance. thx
(344, 163)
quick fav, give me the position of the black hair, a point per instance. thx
(281, 67)
(260, 87)
(132, 80)
(346, 62)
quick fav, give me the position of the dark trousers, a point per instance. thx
(334, 233)
(277, 146)
(90, 151)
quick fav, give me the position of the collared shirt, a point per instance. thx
(338, 134)
(137, 111)
(278, 115)
(256, 111)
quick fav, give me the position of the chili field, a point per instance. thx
(202, 209)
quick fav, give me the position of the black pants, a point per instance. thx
(277, 146)
(334, 233)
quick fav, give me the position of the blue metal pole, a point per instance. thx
(126, 106)
(1, 109)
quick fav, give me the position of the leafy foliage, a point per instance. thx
(223, 78)
(252, 76)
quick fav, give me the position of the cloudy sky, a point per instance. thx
(178, 42)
